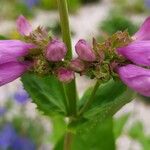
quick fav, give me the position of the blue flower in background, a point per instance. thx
(10, 140)
(2, 111)
(147, 3)
(21, 96)
(31, 3)
(22, 143)
(7, 135)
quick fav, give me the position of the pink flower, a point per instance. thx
(56, 51)
(136, 78)
(23, 26)
(138, 52)
(10, 66)
(144, 32)
(84, 51)
(65, 75)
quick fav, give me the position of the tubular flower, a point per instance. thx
(143, 33)
(137, 76)
(138, 52)
(10, 66)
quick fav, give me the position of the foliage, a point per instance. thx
(137, 133)
(105, 105)
(127, 6)
(119, 125)
(14, 6)
(50, 97)
(116, 23)
(52, 4)
(89, 1)
(93, 138)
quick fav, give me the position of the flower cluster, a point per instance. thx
(119, 56)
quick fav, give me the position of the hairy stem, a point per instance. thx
(90, 100)
(65, 29)
(64, 20)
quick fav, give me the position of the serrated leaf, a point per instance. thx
(109, 98)
(46, 93)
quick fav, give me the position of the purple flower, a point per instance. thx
(31, 3)
(65, 75)
(21, 96)
(22, 143)
(77, 65)
(7, 136)
(144, 32)
(138, 52)
(56, 50)
(23, 26)
(2, 111)
(84, 51)
(11, 66)
(147, 3)
(137, 78)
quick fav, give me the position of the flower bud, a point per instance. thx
(65, 75)
(56, 50)
(77, 65)
(23, 26)
(84, 51)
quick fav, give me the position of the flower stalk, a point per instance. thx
(64, 20)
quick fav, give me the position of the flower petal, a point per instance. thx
(11, 71)
(137, 78)
(138, 52)
(11, 49)
(23, 26)
(144, 32)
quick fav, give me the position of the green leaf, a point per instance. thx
(119, 124)
(99, 138)
(109, 98)
(3, 37)
(46, 93)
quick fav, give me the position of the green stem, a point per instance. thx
(68, 141)
(66, 100)
(65, 29)
(90, 100)
(71, 87)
